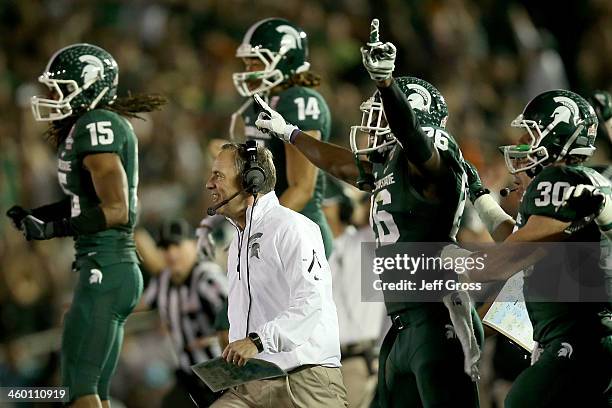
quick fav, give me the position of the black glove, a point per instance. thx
(33, 228)
(585, 200)
(474, 183)
(17, 213)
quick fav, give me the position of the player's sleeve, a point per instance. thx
(544, 195)
(99, 131)
(306, 110)
(405, 125)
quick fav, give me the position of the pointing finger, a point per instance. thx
(374, 32)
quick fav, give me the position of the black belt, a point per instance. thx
(302, 367)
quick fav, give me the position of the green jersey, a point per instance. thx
(544, 197)
(306, 109)
(100, 131)
(399, 210)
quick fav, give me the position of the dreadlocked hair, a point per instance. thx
(306, 79)
(127, 106)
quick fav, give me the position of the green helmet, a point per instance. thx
(559, 123)
(425, 100)
(280, 45)
(81, 76)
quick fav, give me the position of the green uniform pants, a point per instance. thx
(568, 373)
(424, 366)
(93, 328)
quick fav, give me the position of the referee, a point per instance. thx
(188, 293)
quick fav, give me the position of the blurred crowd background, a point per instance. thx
(488, 57)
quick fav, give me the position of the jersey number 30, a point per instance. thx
(551, 193)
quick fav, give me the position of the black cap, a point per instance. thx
(174, 231)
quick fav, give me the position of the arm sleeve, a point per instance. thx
(53, 212)
(405, 125)
(301, 262)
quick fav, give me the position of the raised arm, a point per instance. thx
(379, 60)
(336, 160)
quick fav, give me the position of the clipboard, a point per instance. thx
(219, 375)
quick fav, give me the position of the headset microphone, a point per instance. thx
(252, 177)
(213, 210)
(504, 192)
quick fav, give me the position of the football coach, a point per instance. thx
(280, 290)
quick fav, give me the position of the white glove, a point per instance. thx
(378, 58)
(273, 122)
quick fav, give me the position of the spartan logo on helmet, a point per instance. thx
(559, 124)
(282, 49)
(291, 38)
(93, 70)
(566, 111)
(81, 78)
(426, 101)
(420, 99)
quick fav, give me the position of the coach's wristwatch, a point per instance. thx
(257, 341)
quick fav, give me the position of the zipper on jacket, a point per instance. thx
(240, 236)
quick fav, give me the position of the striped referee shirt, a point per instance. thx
(189, 309)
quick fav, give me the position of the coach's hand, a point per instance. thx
(378, 57)
(239, 351)
(271, 121)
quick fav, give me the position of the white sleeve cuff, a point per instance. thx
(490, 212)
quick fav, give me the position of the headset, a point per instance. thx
(252, 177)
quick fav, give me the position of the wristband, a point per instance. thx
(490, 213)
(90, 221)
(293, 135)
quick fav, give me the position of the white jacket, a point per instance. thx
(291, 304)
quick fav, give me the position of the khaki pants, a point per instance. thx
(308, 388)
(360, 385)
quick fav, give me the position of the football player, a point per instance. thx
(97, 156)
(414, 168)
(572, 368)
(275, 55)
